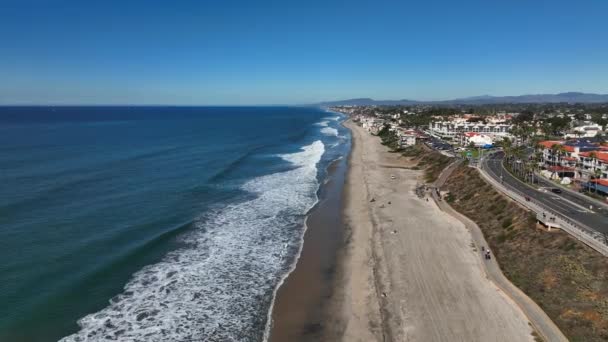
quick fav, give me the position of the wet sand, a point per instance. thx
(298, 312)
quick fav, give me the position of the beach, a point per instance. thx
(300, 303)
(407, 270)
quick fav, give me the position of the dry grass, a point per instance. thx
(431, 161)
(565, 277)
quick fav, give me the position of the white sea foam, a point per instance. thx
(323, 123)
(329, 131)
(216, 288)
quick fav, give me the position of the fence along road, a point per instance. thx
(587, 226)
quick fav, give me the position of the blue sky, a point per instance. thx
(226, 52)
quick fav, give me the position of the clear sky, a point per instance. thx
(225, 52)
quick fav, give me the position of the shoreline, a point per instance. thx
(300, 299)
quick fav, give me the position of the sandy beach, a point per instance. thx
(300, 303)
(408, 271)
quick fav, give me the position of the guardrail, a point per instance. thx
(592, 200)
(581, 232)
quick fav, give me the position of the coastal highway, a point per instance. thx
(565, 203)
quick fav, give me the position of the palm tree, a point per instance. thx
(557, 151)
(518, 154)
(547, 128)
(598, 175)
(507, 147)
(536, 162)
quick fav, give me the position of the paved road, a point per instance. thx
(567, 204)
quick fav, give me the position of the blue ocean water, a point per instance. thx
(153, 223)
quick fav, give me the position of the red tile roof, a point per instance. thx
(569, 148)
(550, 143)
(601, 155)
(602, 181)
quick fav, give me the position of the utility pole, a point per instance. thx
(501, 167)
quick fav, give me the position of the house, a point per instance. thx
(587, 130)
(491, 126)
(594, 164)
(576, 158)
(407, 138)
(477, 139)
(599, 186)
(372, 125)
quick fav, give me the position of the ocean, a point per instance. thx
(154, 223)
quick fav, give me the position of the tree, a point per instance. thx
(547, 128)
(559, 124)
(598, 119)
(557, 150)
(579, 116)
(524, 116)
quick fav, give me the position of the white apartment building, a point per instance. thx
(588, 130)
(477, 139)
(449, 129)
(576, 159)
(407, 138)
(372, 125)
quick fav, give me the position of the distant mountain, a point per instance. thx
(368, 102)
(569, 97)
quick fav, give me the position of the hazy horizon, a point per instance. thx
(271, 104)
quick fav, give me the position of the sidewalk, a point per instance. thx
(538, 318)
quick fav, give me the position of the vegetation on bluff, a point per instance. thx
(565, 277)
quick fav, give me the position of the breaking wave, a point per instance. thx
(215, 288)
(329, 131)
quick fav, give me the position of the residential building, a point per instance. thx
(407, 139)
(577, 158)
(371, 124)
(477, 139)
(494, 127)
(587, 130)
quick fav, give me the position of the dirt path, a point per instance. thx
(411, 272)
